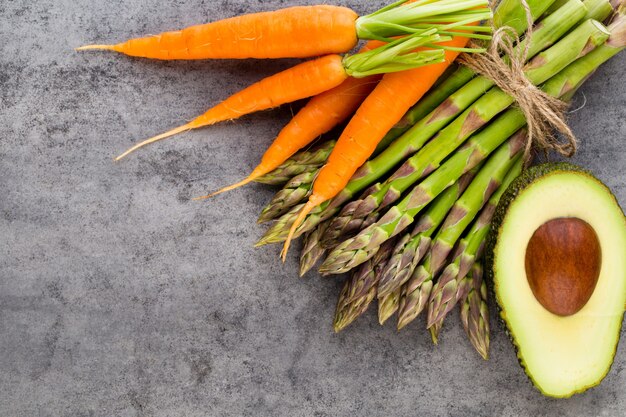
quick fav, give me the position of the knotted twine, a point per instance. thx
(504, 64)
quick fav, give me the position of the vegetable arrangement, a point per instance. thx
(404, 200)
(455, 154)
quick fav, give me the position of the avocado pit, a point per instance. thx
(563, 261)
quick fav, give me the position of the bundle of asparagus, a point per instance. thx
(457, 151)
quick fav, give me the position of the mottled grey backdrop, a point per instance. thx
(120, 297)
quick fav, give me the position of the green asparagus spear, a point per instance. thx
(508, 11)
(418, 288)
(388, 305)
(356, 215)
(350, 312)
(555, 6)
(596, 9)
(292, 194)
(444, 295)
(312, 251)
(475, 313)
(567, 82)
(414, 295)
(304, 161)
(599, 10)
(512, 13)
(368, 274)
(360, 290)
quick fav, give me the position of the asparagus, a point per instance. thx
(293, 193)
(414, 296)
(304, 161)
(417, 291)
(357, 250)
(410, 250)
(567, 82)
(388, 305)
(599, 10)
(355, 216)
(507, 12)
(512, 13)
(360, 290)
(311, 250)
(596, 9)
(475, 313)
(555, 6)
(345, 315)
(434, 332)
(465, 285)
(445, 293)
(367, 275)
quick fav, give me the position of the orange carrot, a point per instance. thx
(312, 78)
(295, 32)
(321, 114)
(304, 80)
(383, 108)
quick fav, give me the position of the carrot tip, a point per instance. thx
(310, 205)
(162, 136)
(204, 197)
(226, 189)
(95, 48)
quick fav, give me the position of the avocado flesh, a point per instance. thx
(561, 355)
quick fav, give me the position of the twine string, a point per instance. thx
(505, 65)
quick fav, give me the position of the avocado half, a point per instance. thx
(562, 353)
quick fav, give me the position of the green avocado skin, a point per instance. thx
(529, 177)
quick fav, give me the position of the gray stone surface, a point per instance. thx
(119, 297)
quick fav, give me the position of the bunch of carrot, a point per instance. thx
(429, 35)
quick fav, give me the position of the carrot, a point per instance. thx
(295, 32)
(383, 108)
(314, 77)
(321, 114)
(304, 80)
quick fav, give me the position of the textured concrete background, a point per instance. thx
(119, 297)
